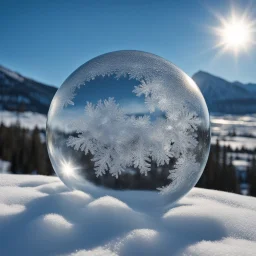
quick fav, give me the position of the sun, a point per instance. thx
(235, 33)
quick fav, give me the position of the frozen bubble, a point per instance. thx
(129, 120)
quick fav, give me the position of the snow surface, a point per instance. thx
(40, 216)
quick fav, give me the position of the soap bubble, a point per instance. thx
(129, 120)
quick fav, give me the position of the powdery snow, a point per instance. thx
(40, 216)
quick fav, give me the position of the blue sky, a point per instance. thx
(48, 40)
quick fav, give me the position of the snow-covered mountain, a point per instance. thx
(23, 94)
(226, 97)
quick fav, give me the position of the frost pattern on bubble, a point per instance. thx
(136, 66)
(116, 141)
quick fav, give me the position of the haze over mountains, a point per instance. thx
(24, 94)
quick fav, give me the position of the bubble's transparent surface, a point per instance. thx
(129, 120)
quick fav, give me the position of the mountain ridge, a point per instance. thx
(226, 97)
(236, 82)
(19, 93)
(10, 72)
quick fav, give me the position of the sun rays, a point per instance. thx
(235, 33)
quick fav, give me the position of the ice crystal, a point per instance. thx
(118, 141)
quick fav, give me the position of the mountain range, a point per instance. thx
(19, 93)
(226, 97)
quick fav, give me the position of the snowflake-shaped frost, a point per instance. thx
(118, 141)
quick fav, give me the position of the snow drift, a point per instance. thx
(40, 216)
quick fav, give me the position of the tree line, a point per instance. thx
(26, 151)
(221, 174)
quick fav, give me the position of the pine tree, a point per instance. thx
(232, 178)
(224, 179)
(252, 176)
(217, 166)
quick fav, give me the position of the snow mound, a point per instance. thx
(40, 216)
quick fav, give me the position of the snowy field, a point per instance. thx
(235, 142)
(242, 124)
(40, 216)
(28, 120)
(221, 125)
(244, 127)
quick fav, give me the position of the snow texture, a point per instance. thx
(40, 216)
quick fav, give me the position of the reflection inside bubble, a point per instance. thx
(129, 131)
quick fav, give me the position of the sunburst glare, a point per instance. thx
(235, 33)
(68, 169)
